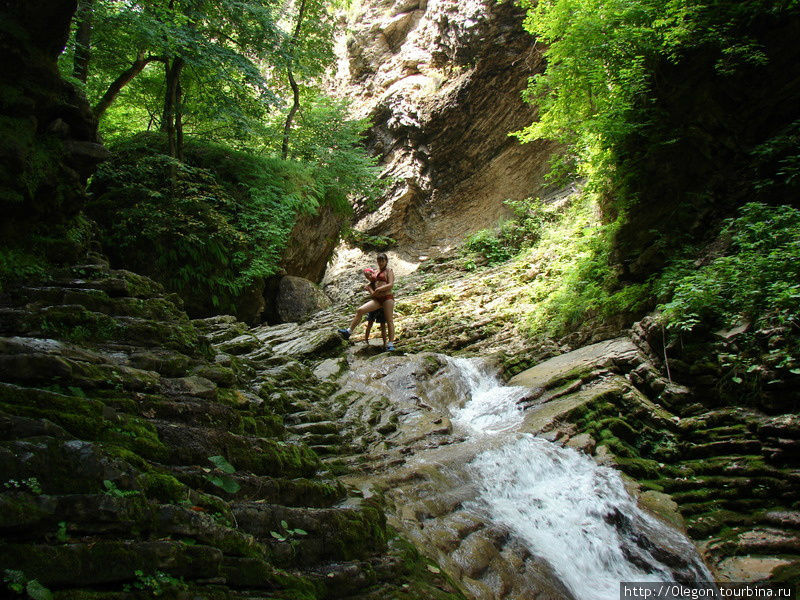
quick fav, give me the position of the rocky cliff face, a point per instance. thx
(49, 142)
(441, 81)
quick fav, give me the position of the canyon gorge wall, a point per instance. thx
(441, 81)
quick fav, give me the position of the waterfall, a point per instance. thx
(569, 511)
(491, 407)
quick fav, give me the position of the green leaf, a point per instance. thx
(736, 379)
(300, 531)
(37, 591)
(229, 485)
(222, 464)
(278, 536)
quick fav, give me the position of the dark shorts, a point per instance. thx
(376, 315)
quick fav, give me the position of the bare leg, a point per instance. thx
(366, 333)
(388, 312)
(362, 310)
(383, 334)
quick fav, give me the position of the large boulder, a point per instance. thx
(298, 299)
(311, 243)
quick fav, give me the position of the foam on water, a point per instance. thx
(569, 511)
(491, 407)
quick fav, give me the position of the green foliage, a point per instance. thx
(156, 584)
(17, 582)
(777, 164)
(521, 231)
(602, 60)
(18, 265)
(222, 479)
(757, 278)
(209, 234)
(222, 44)
(486, 243)
(30, 484)
(61, 532)
(113, 491)
(331, 143)
(288, 534)
(369, 242)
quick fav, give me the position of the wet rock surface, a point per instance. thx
(133, 439)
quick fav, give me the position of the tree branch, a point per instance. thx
(122, 80)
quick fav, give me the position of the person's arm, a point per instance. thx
(386, 287)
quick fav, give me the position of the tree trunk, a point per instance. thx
(171, 115)
(83, 40)
(295, 90)
(295, 106)
(179, 119)
(124, 78)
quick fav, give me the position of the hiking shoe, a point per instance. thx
(345, 333)
(390, 347)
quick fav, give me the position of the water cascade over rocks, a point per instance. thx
(574, 513)
(507, 513)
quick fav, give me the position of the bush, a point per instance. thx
(205, 233)
(486, 243)
(758, 278)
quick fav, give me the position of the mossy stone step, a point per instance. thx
(742, 466)
(723, 448)
(49, 369)
(202, 413)
(308, 416)
(44, 298)
(84, 418)
(320, 427)
(193, 445)
(302, 492)
(105, 515)
(76, 323)
(739, 431)
(102, 562)
(759, 540)
(321, 439)
(332, 533)
(705, 524)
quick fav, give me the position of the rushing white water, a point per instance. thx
(492, 407)
(568, 510)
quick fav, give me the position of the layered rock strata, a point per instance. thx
(142, 452)
(441, 81)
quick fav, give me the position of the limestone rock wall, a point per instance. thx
(441, 81)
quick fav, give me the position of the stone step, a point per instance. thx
(306, 417)
(340, 533)
(759, 541)
(321, 439)
(329, 449)
(51, 298)
(317, 492)
(314, 426)
(74, 323)
(105, 515)
(723, 448)
(189, 445)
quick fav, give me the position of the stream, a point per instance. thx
(570, 511)
(503, 510)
